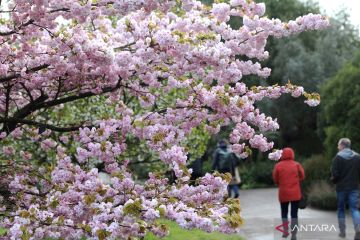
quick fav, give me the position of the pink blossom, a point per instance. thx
(48, 144)
(312, 102)
(2, 135)
(297, 92)
(174, 154)
(8, 150)
(82, 155)
(64, 139)
(151, 214)
(260, 9)
(261, 143)
(17, 133)
(275, 155)
(221, 11)
(25, 155)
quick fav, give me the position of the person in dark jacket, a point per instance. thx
(225, 161)
(345, 171)
(288, 174)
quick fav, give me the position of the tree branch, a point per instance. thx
(27, 91)
(3, 34)
(8, 11)
(68, 9)
(40, 103)
(16, 75)
(44, 125)
(56, 102)
(143, 162)
(45, 28)
(60, 10)
(7, 99)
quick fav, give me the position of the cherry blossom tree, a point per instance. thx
(133, 54)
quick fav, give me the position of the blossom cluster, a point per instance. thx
(77, 204)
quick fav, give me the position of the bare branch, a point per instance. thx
(8, 11)
(144, 162)
(43, 125)
(60, 10)
(28, 92)
(68, 9)
(56, 102)
(22, 113)
(40, 103)
(3, 34)
(45, 28)
(7, 99)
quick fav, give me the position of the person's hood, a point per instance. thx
(223, 145)
(346, 153)
(287, 154)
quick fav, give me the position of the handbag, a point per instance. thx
(235, 180)
(303, 199)
(237, 175)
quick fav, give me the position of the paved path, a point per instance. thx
(261, 211)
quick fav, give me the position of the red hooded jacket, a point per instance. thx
(287, 174)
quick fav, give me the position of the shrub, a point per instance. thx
(257, 175)
(322, 195)
(317, 167)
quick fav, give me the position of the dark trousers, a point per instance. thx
(285, 209)
(294, 217)
(233, 188)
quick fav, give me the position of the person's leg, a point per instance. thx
(294, 219)
(229, 190)
(235, 188)
(284, 217)
(353, 205)
(341, 197)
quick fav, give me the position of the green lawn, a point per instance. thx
(177, 233)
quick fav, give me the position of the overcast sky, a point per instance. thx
(331, 6)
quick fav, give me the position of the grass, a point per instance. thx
(177, 233)
(2, 231)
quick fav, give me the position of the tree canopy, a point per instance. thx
(340, 106)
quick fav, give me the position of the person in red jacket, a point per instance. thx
(288, 174)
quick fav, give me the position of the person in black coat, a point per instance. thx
(345, 171)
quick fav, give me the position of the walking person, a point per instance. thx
(288, 174)
(345, 171)
(225, 161)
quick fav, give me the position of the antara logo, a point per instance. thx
(284, 228)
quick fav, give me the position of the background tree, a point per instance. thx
(337, 118)
(310, 60)
(340, 108)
